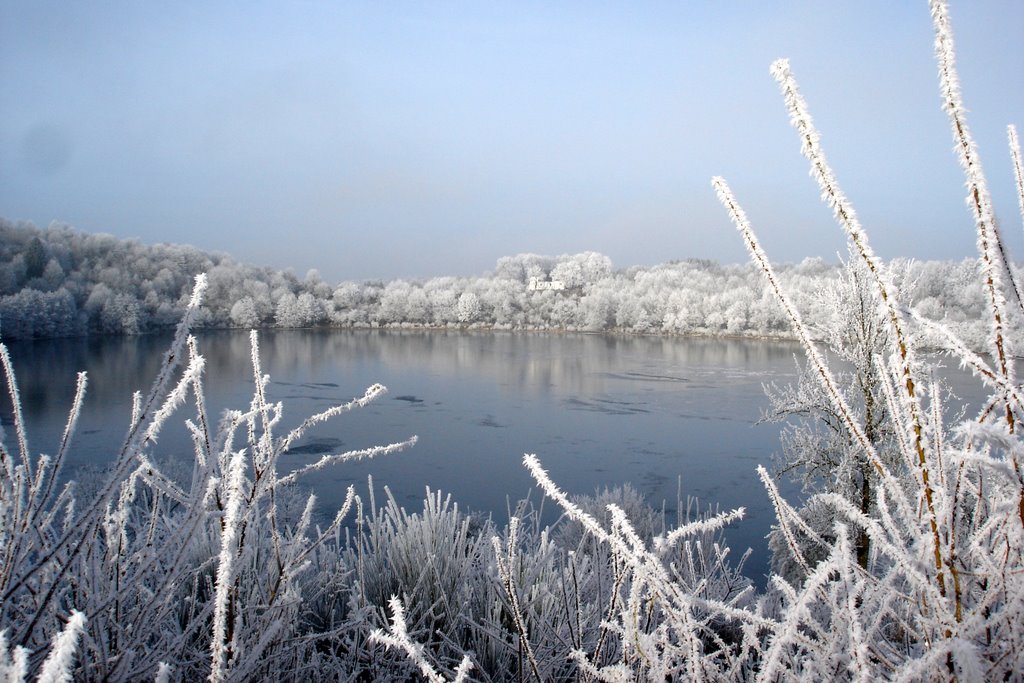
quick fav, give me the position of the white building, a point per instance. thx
(537, 285)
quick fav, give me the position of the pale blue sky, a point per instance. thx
(388, 139)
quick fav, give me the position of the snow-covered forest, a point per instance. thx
(905, 561)
(61, 282)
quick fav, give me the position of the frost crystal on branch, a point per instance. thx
(398, 638)
(57, 667)
(1018, 166)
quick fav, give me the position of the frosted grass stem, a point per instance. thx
(742, 223)
(57, 667)
(995, 264)
(1018, 166)
(399, 639)
(223, 618)
(821, 171)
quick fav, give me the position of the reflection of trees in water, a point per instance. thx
(533, 364)
(535, 361)
(117, 366)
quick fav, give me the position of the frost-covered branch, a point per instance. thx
(995, 264)
(1018, 166)
(398, 638)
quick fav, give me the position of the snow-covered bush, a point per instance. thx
(205, 575)
(933, 598)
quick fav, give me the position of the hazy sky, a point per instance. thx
(387, 139)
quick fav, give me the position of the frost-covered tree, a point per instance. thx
(468, 309)
(286, 312)
(35, 258)
(122, 314)
(394, 301)
(817, 445)
(309, 309)
(244, 314)
(443, 298)
(521, 267)
(33, 314)
(694, 296)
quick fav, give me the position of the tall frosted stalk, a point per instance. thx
(1018, 166)
(995, 265)
(221, 648)
(742, 223)
(833, 195)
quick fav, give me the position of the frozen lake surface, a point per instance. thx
(659, 413)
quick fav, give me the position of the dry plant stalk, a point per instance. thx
(995, 264)
(844, 212)
(1018, 166)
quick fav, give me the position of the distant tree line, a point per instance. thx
(58, 281)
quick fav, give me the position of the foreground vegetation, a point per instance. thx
(905, 564)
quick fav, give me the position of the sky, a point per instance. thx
(401, 139)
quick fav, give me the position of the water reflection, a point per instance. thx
(662, 413)
(536, 363)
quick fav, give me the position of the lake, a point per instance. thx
(662, 413)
